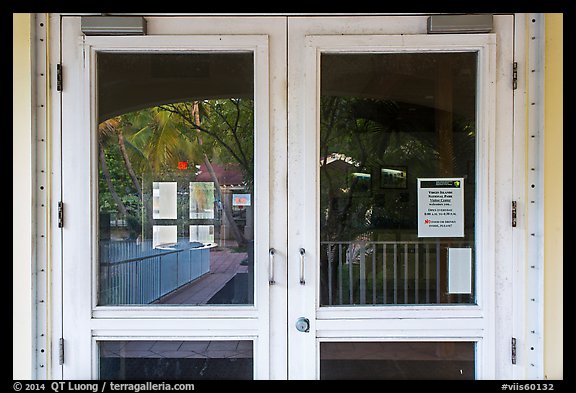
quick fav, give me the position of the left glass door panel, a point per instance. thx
(175, 178)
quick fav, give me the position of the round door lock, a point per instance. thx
(303, 325)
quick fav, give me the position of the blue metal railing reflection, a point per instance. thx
(386, 272)
(134, 272)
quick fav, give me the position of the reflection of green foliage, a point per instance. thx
(224, 131)
(157, 143)
(369, 134)
(134, 224)
(121, 182)
(233, 121)
(158, 138)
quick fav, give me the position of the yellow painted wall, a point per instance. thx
(553, 200)
(22, 199)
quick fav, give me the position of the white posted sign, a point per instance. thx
(441, 207)
(459, 270)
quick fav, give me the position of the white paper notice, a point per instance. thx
(460, 270)
(441, 207)
(202, 233)
(164, 236)
(164, 200)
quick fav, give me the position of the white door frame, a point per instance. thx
(307, 38)
(84, 323)
(280, 165)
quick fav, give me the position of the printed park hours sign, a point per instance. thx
(441, 207)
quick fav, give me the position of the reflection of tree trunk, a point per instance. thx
(240, 239)
(337, 219)
(324, 274)
(444, 136)
(249, 226)
(147, 207)
(444, 119)
(106, 174)
(122, 145)
(225, 206)
(112, 126)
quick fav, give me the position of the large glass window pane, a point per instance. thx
(175, 143)
(185, 360)
(397, 129)
(397, 360)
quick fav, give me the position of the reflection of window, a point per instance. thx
(241, 200)
(361, 183)
(393, 177)
(202, 233)
(164, 235)
(164, 200)
(201, 200)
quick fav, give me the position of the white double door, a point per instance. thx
(353, 124)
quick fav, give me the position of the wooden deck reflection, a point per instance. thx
(224, 265)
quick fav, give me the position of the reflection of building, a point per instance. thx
(231, 182)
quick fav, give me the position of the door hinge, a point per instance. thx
(514, 76)
(58, 77)
(60, 214)
(61, 351)
(513, 214)
(513, 349)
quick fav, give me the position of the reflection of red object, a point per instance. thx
(182, 165)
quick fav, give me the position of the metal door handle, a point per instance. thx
(302, 252)
(271, 253)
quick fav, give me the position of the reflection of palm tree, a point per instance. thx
(105, 130)
(154, 139)
(108, 179)
(155, 144)
(110, 127)
(372, 133)
(122, 145)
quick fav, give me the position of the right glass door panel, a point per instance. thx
(397, 178)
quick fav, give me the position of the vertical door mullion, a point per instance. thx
(302, 153)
